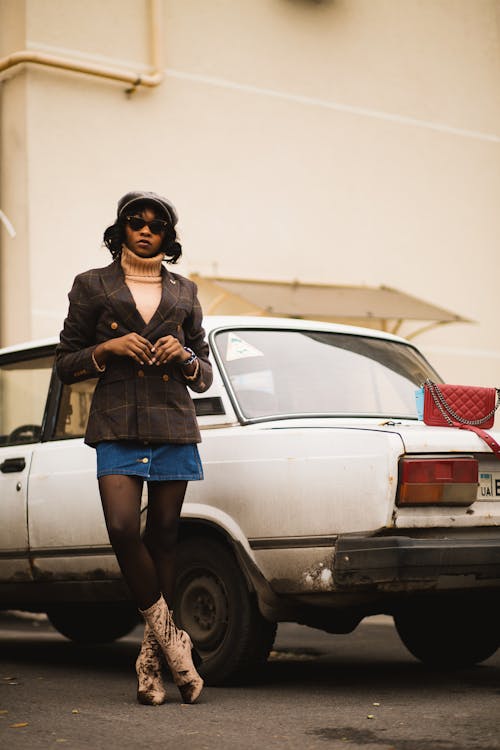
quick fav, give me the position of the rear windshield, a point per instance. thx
(286, 373)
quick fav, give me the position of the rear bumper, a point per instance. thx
(395, 562)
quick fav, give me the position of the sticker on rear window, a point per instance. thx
(238, 348)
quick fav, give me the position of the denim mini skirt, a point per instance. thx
(153, 462)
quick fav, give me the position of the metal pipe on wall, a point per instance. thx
(101, 71)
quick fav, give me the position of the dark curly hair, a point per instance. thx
(114, 236)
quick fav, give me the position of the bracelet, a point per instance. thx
(191, 358)
(195, 373)
(99, 368)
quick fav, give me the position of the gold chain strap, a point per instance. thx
(446, 409)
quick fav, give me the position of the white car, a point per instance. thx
(325, 500)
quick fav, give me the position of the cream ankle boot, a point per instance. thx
(150, 689)
(176, 645)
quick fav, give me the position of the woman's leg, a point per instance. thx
(121, 502)
(164, 508)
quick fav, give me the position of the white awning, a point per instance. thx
(375, 307)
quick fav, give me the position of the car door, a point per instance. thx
(67, 533)
(24, 382)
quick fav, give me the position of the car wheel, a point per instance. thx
(450, 634)
(93, 623)
(213, 603)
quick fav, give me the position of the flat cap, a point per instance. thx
(140, 196)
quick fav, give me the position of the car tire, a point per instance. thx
(451, 634)
(93, 623)
(214, 604)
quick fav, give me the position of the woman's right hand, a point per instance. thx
(131, 345)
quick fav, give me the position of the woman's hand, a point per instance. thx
(131, 345)
(169, 349)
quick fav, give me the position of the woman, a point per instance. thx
(138, 328)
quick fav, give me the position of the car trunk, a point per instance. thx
(484, 512)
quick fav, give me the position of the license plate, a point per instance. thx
(489, 485)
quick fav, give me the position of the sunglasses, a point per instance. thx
(156, 226)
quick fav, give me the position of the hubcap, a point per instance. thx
(203, 609)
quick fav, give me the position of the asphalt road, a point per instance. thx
(361, 690)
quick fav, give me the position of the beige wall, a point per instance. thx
(345, 141)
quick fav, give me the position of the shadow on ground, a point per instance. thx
(336, 662)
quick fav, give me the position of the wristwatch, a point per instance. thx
(191, 359)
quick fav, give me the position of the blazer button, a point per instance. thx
(114, 325)
(165, 378)
(140, 373)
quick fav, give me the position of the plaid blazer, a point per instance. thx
(133, 401)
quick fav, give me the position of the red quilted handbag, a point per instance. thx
(465, 406)
(454, 405)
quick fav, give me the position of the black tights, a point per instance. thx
(147, 563)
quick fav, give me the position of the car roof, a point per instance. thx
(218, 322)
(26, 345)
(213, 322)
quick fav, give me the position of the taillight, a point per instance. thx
(445, 481)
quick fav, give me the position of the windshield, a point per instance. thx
(284, 373)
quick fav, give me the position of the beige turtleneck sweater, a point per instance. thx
(143, 278)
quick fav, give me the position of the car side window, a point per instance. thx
(23, 395)
(74, 408)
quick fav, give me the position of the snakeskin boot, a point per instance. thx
(176, 646)
(150, 689)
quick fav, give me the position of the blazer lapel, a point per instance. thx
(170, 291)
(120, 297)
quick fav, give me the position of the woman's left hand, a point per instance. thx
(168, 349)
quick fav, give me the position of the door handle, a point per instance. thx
(10, 465)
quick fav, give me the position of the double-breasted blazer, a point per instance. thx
(133, 401)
